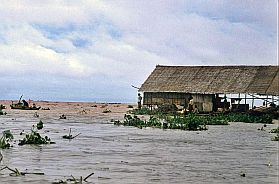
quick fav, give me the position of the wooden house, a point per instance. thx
(175, 84)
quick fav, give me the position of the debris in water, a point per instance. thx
(70, 136)
(63, 116)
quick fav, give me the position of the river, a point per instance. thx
(118, 154)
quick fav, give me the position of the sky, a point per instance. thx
(94, 50)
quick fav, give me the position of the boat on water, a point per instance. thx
(23, 105)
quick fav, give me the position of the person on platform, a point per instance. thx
(139, 101)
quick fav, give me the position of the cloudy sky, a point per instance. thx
(94, 50)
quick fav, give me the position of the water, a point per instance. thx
(119, 154)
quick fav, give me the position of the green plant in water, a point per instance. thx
(5, 139)
(40, 125)
(2, 113)
(34, 137)
(190, 122)
(248, 118)
(141, 111)
(275, 130)
(276, 138)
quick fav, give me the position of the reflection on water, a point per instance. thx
(130, 155)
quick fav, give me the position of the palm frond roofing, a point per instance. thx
(213, 79)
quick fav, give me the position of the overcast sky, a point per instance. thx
(94, 50)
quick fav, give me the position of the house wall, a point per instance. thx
(203, 102)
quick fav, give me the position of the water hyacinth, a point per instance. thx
(34, 137)
(275, 130)
(276, 138)
(248, 118)
(190, 122)
(7, 137)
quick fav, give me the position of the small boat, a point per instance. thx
(23, 105)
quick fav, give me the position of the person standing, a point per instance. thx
(139, 101)
(190, 104)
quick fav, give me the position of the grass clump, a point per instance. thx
(34, 137)
(7, 137)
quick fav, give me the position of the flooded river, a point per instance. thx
(118, 154)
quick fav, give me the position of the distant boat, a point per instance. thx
(23, 105)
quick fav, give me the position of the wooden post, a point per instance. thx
(266, 100)
(238, 98)
(151, 101)
(245, 101)
(252, 101)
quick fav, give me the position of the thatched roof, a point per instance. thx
(213, 79)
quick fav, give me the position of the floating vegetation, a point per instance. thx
(16, 172)
(142, 111)
(248, 118)
(7, 137)
(107, 111)
(70, 136)
(63, 116)
(275, 130)
(40, 125)
(166, 110)
(190, 122)
(73, 180)
(171, 109)
(83, 111)
(2, 113)
(276, 138)
(34, 137)
(194, 122)
(36, 115)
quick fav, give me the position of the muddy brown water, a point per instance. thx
(118, 154)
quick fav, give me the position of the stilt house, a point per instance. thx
(210, 86)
